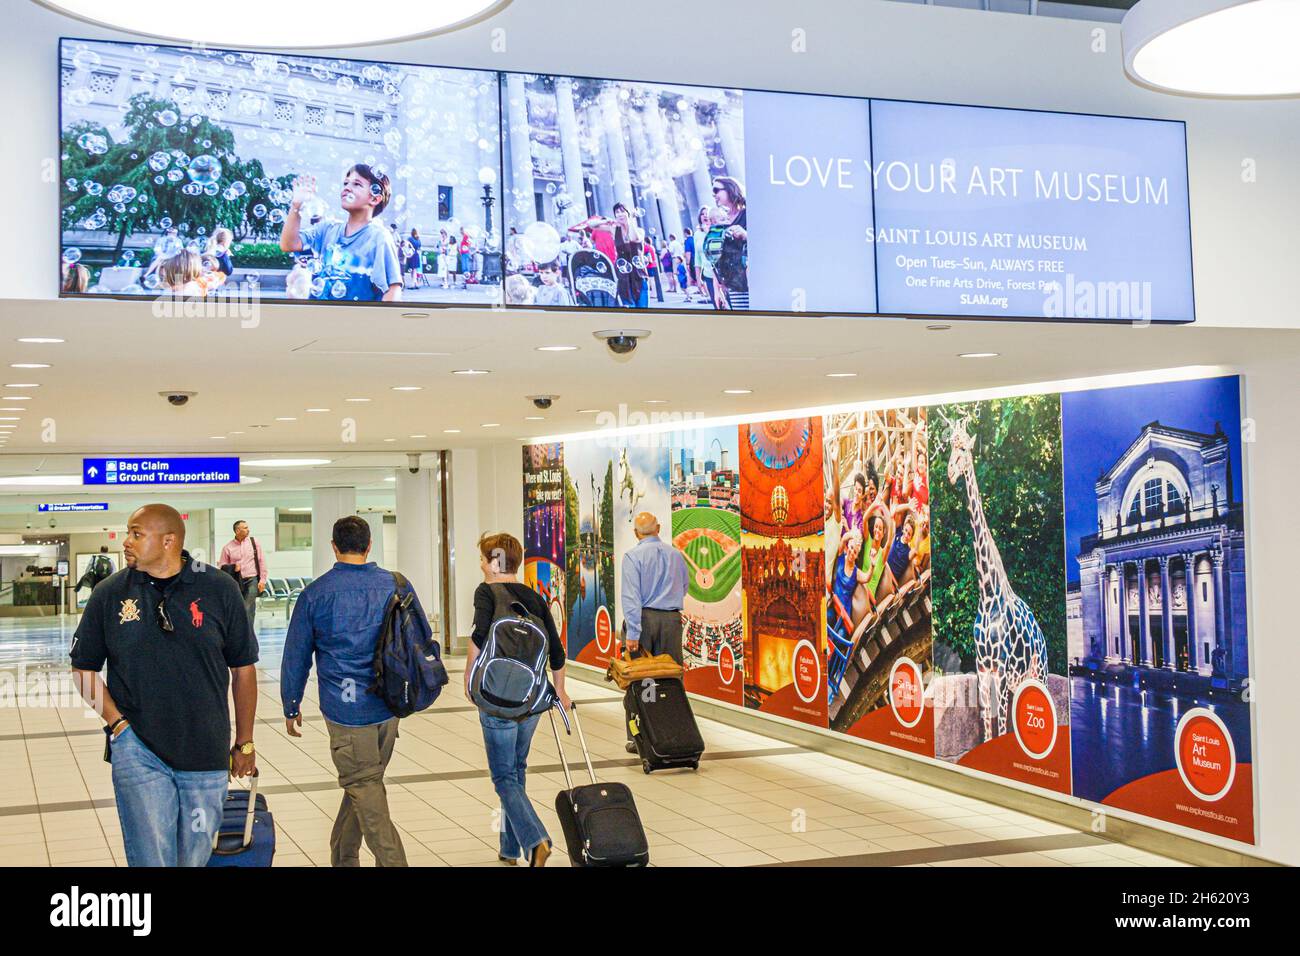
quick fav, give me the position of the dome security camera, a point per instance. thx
(622, 342)
(177, 398)
(543, 401)
(413, 462)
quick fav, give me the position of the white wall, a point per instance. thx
(261, 525)
(1245, 241)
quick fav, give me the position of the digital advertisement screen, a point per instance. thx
(1013, 213)
(635, 195)
(211, 174)
(215, 173)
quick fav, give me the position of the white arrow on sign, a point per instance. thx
(92, 471)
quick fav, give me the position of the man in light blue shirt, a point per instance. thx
(654, 585)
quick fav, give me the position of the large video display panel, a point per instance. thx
(210, 173)
(1016, 213)
(634, 195)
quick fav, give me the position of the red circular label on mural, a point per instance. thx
(906, 693)
(1033, 716)
(604, 630)
(806, 671)
(726, 664)
(1207, 760)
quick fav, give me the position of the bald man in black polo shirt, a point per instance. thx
(175, 636)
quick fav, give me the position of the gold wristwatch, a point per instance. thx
(245, 749)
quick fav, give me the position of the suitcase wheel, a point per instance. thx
(645, 765)
(695, 765)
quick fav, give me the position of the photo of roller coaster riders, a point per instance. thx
(622, 194)
(877, 503)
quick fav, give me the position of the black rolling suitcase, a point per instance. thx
(601, 825)
(662, 724)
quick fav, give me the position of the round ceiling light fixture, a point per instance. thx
(280, 26)
(1229, 48)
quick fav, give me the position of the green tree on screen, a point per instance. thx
(1017, 457)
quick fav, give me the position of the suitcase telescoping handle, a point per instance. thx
(248, 818)
(568, 780)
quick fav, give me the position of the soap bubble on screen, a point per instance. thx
(160, 161)
(72, 184)
(344, 84)
(551, 189)
(85, 59)
(624, 266)
(165, 222)
(338, 289)
(317, 288)
(119, 207)
(313, 208)
(167, 246)
(238, 187)
(95, 220)
(175, 176)
(541, 242)
(276, 215)
(150, 281)
(166, 117)
(205, 169)
(211, 189)
(192, 189)
(92, 188)
(71, 256)
(259, 211)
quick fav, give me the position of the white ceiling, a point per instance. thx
(101, 393)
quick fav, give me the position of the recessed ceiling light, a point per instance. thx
(315, 410)
(277, 25)
(588, 411)
(286, 462)
(27, 365)
(534, 418)
(656, 401)
(491, 425)
(938, 328)
(15, 398)
(22, 384)
(417, 436)
(41, 480)
(472, 371)
(415, 315)
(236, 433)
(737, 391)
(286, 418)
(1214, 47)
(391, 478)
(841, 374)
(451, 431)
(407, 388)
(40, 341)
(10, 427)
(356, 399)
(217, 437)
(978, 355)
(390, 439)
(13, 408)
(557, 348)
(249, 480)
(10, 418)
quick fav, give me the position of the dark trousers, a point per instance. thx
(661, 633)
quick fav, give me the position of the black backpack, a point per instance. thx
(409, 674)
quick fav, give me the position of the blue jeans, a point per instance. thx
(168, 816)
(507, 743)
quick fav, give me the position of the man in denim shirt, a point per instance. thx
(338, 618)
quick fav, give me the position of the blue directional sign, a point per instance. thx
(162, 470)
(59, 507)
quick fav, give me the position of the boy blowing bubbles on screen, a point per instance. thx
(359, 256)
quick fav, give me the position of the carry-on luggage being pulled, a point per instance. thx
(662, 724)
(246, 836)
(600, 822)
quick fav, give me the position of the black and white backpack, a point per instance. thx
(508, 679)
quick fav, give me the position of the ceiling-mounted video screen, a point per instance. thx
(634, 195)
(203, 172)
(212, 173)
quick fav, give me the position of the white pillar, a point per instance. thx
(376, 521)
(327, 506)
(566, 124)
(523, 188)
(1167, 615)
(417, 535)
(611, 115)
(1189, 585)
(661, 170)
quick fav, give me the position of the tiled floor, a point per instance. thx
(753, 801)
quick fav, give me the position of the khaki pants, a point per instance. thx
(361, 756)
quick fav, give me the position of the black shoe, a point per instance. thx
(630, 747)
(507, 861)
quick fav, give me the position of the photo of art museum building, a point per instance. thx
(1162, 582)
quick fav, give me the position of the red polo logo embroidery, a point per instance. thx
(195, 614)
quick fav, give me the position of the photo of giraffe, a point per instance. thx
(1157, 602)
(878, 602)
(782, 527)
(1001, 691)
